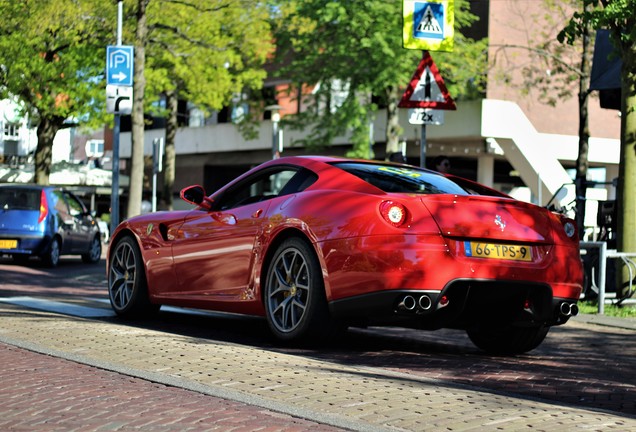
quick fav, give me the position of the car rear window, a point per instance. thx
(391, 178)
(20, 199)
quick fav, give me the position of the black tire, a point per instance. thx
(94, 254)
(127, 286)
(21, 259)
(51, 258)
(507, 339)
(294, 293)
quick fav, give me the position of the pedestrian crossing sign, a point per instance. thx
(428, 25)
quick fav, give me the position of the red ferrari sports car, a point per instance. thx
(316, 244)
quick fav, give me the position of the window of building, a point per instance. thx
(95, 148)
(11, 131)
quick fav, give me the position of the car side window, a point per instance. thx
(77, 209)
(60, 203)
(267, 185)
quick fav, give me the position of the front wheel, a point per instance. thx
(294, 291)
(127, 286)
(507, 339)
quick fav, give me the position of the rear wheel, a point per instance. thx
(507, 339)
(51, 258)
(294, 291)
(94, 253)
(21, 259)
(127, 286)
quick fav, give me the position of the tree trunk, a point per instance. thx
(135, 194)
(582, 162)
(393, 129)
(170, 154)
(626, 199)
(46, 131)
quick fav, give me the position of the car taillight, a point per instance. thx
(44, 207)
(394, 213)
(569, 228)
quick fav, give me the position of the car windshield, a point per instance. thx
(392, 178)
(19, 199)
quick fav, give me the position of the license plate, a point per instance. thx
(498, 251)
(8, 244)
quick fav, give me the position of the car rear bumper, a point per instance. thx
(27, 244)
(462, 304)
(366, 265)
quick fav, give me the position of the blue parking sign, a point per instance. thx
(119, 65)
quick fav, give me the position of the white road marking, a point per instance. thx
(59, 307)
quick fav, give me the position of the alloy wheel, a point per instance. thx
(121, 277)
(288, 290)
(52, 257)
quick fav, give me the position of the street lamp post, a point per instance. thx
(276, 146)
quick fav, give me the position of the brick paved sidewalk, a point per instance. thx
(347, 397)
(45, 393)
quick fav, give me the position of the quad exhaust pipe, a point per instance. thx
(424, 302)
(410, 303)
(568, 309)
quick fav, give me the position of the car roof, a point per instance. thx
(324, 162)
(26, 186)
(320, 163)
(307, 161)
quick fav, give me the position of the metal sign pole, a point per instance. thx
(154, 191)
(423, 147)
(114, 193)
(157, 167)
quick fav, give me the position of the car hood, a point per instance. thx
(491, 218)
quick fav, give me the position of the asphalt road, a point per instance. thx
(582, 377)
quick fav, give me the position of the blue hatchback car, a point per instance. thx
(46, 221)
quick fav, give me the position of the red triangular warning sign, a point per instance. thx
(427, 88)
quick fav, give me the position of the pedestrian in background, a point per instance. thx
(442, 164)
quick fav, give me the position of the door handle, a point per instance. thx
(227, 219)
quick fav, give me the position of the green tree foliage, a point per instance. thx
(206, 52)
(52, 59)
(355, 48)
(618, 17)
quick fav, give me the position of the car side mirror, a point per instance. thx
(196, 195)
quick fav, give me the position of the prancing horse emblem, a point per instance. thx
(500, 222)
